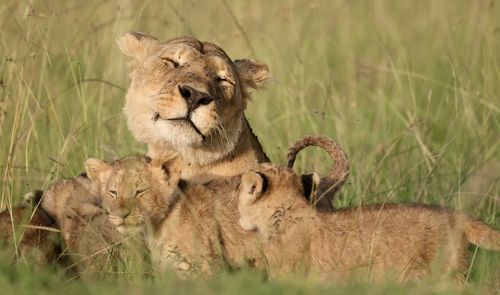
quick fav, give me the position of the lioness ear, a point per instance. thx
(169, 165)
(137, 45)
(310, 183)
(252, 73)
(97, 169)
(252, 186)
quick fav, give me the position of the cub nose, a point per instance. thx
(124, 213)
(193, 97)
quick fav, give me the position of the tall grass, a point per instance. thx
(409, 88)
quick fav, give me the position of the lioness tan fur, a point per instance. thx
(28, 233)
(189, 96)
(406, 240)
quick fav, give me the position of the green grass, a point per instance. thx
(411, 89)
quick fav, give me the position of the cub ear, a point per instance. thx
(310, 183)
(253, 185)
(137, 45)
(252, 73)
(96, 169)
(170, 166)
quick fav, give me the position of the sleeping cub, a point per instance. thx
(91, 242)
(179, 222)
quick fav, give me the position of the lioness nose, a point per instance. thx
(193, 97)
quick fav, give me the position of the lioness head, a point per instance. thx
(135, 188)
(271, 195)
(186, 93)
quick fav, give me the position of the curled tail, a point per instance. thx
(337, 175)
(480, 233)
(339, 171)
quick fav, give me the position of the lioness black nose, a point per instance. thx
(194, 97)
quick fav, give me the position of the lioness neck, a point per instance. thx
(201, 164)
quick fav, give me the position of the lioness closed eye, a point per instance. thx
(406, 240)
(189, 96)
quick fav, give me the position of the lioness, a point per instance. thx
(189, 96)
(187, 226)
(406, 239)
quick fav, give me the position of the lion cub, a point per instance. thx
(90, 239)
(178, 222)
(407, 240)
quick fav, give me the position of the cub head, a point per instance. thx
(272, 197)
(136, 189)
(187, 93)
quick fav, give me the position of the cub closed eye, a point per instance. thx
(170, 62)
(113, 194)
(139, 193)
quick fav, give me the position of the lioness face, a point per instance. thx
(185, 92)
(133, 189)
(271, 195)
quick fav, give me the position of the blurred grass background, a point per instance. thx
(411, 90)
